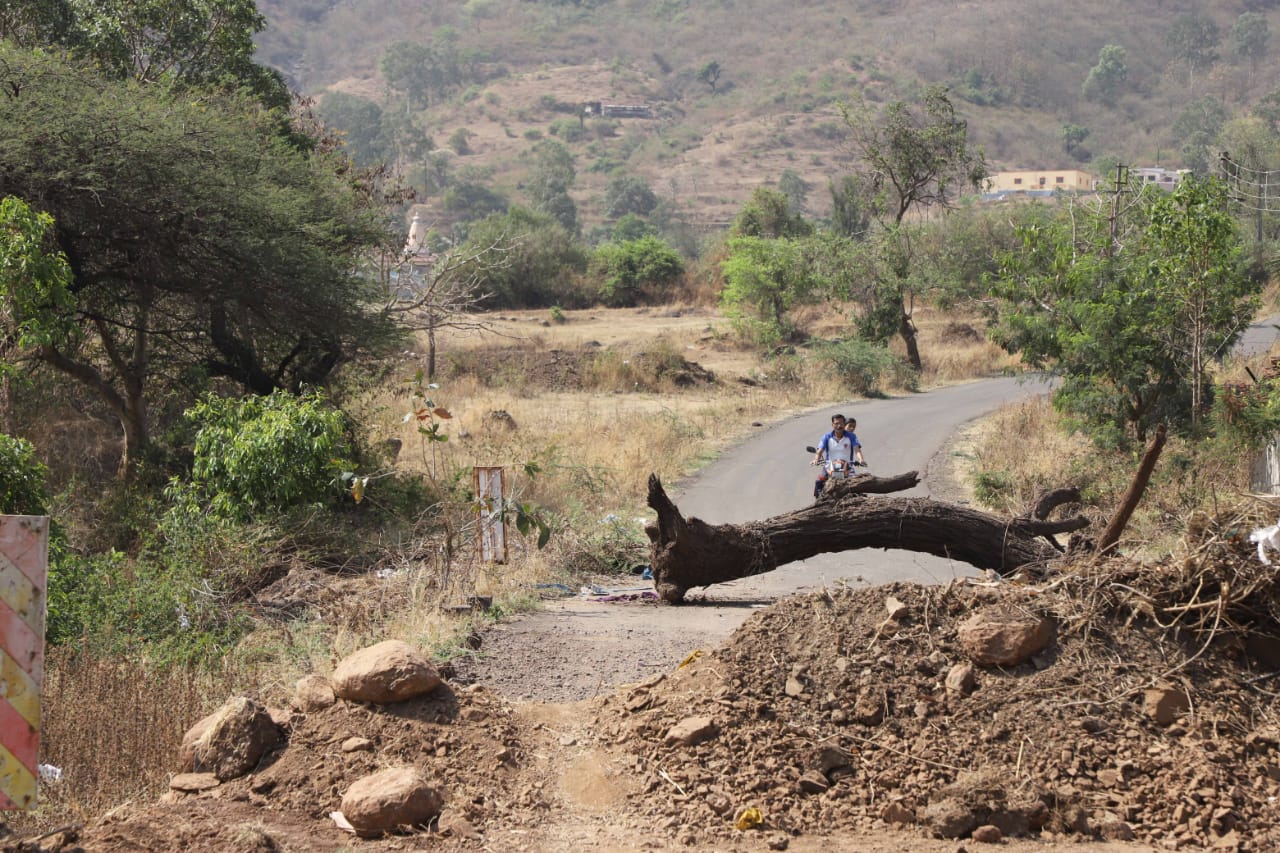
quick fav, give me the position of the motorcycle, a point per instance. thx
(837, 469)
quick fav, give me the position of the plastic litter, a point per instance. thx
(1266, 538)
(48, 774)
(748, 818)
(550, 590)
(692, 656)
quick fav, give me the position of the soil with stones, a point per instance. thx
(849, 719)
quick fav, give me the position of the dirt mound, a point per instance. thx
(826, 718)
(832, 717)
(468, 741)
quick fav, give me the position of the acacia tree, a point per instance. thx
(198, 238)
(914, 157)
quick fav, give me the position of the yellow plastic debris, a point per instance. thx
(693, 656)
(749, 818)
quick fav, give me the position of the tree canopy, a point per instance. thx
(198, 238)
(1130, 319)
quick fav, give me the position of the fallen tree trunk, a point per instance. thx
(688, 552)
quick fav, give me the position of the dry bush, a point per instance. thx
(113, 726)
(1021, 451)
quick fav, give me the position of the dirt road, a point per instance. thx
(577, 648)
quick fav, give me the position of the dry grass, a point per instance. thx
(595, 450)
(113, 726)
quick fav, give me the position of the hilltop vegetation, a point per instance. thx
(743, 92)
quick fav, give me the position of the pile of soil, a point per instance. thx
(824, 720)
(831, 717)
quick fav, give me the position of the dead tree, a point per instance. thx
(688, 552)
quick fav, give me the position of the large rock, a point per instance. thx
(313, 693)
(391, 671)
(390, 799)
(231, 741)
(1001, 638)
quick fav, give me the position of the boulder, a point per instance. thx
(313, 693)
(690, 731)
(994, 637)
(390, 799)
(960, 678)
(231, 741)
(1164, 704)
(389, 672)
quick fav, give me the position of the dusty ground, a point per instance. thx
(831, 719)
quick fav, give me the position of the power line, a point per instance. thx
(1255, 190)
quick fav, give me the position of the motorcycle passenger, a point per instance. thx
(839, 445)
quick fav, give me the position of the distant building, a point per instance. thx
(607, 110)
(1165, 179)
(1037, 182)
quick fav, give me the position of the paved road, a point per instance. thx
(770, 474)
(576, 648)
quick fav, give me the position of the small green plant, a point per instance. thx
(22, 478)
(992, 488)
(568, 129)
(557, 314)
(265, 454)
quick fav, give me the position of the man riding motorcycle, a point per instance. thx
(836, 451)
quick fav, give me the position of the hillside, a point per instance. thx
(1016, 72)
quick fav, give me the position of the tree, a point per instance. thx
(768, 213)
(360, 122)
(199, 242)
(914, 157)
(709, 73)
(628, 194)
(1108, 76)
(35, 281)
(1250, 36)
(423, 73)
(852, 206)
(1254, 144)
(196, 42)
(1197, 128)
(1194, 38)
(1128, 316)
(1201, 289)
(552, 175)
(764, 278)
(1072, 136)
(795, 188)
(541, 263)
(626, 269)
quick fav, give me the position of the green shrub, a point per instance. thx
(864, 366)
(993, 488)
(265, 454)
(110, 604)
(22, 478)
(568, 129)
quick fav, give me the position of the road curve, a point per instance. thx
(769, 474)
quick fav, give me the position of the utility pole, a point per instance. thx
(1122, 178)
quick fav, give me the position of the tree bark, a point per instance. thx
(1111, 536)
(688, 552)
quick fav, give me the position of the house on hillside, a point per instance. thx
(1037, 182)
(1155, 176)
